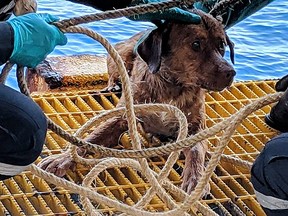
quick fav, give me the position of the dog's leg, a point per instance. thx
(107, 134)
(154, 125)
(194, 167)
(126, 51)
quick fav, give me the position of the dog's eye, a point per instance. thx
(222, 46)
(196, 46)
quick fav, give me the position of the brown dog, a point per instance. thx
(176, 63)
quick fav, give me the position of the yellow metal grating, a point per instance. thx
(231, 190)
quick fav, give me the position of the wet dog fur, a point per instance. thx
(175, 64)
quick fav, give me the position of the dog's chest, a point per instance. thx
(186, 99)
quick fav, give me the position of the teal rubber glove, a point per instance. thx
(34, 38)
(170, 14)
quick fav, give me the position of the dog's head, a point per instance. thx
(191, 55)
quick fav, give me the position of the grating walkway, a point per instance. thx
(231, 191)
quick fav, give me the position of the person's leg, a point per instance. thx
(23, 128)
(269, 176)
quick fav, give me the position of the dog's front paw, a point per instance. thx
(194, 168)
(58, 164)
(190, 181)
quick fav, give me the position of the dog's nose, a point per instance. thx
(230, 74)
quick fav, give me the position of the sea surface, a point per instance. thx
(261, 45)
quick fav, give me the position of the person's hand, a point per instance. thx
(34, 38)
(278, 116)
(170, 14)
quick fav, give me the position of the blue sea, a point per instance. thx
(261, 45)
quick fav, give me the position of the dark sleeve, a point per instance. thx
(6, 41)
(6, 9)
(241, 11)
(104, 4)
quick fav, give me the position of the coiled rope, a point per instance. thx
(119, 157)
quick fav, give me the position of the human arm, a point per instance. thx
(169, 14)
(6, 42)
(27, 40)
(231, 15)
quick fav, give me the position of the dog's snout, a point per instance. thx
(230, 74)
(225, 76)
(226, 71)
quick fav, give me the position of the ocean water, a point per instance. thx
(261, 47)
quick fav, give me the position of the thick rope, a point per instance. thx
(161, 150)
(242, 114)
(91, 194)
(131, 118)
(126, 12)
(222, 6)
(233, 160)
(195, 195)
(5, 72)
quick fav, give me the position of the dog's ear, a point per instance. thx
(150, 47)
(231, 47)
(150, 50)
